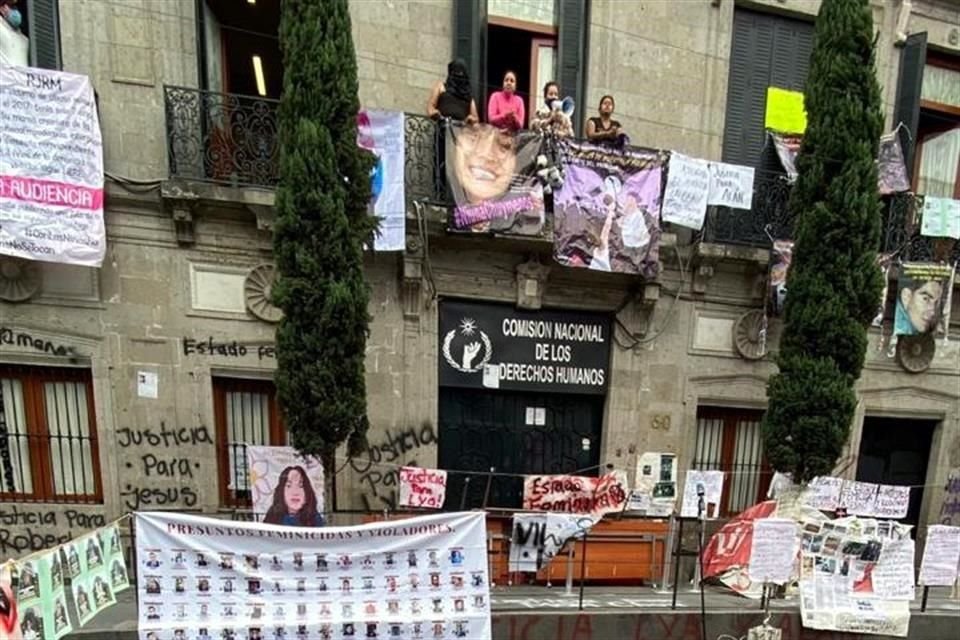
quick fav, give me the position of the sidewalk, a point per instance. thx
(618, 613)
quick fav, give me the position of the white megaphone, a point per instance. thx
(566, 106)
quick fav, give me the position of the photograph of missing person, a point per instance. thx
(492, 176)
(922, 294)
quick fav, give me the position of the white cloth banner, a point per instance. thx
(382, 133)
(941, 556)
(685, 196)
(731, 185)
(536, 538)
(422, 488)
(423, 577)
(285, 487)
(51, 168)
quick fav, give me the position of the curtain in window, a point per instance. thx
(248, 423)
(938, 164)
(15, 474)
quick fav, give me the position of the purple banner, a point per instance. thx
(607, 212)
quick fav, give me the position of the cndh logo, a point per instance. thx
(468, 340)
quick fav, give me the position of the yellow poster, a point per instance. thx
(785, 112)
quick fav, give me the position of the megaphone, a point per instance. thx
(566, 106)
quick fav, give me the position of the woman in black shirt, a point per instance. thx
(453, 98)
(604, 129)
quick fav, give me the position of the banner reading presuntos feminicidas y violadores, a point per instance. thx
(51, 168)
(423, 577)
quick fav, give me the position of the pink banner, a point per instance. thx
(51, 192)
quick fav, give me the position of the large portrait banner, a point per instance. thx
(607, 212)
(285, 487)
(423, 577)
(923, 291)
(493, 179)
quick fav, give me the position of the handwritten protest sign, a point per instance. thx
(576, 494)
(858, 498)
(823, 493)
(892, 502)
(774, 550)
(893, 575)
(537, 537)
(731, 185)
(950, 509)
(712, 482)
(422, 488)
(685, 198)
(941, 217)
(941, 556)
(785, 112)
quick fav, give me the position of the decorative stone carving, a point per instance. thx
(412, 284)
(915, 353)
(20, 279)
(258, 290)
(750, 335)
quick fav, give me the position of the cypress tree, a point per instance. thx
(834, 285)
(321, 227)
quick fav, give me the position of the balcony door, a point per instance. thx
(242, 47)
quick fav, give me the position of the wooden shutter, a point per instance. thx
(909, 85)
(44, 26)
(470, 44)
(571, 54)
(766, 51)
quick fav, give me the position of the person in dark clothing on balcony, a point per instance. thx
(453, 98)
(604, 129)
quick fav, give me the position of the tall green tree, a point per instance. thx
(834, 285)
(321, 227)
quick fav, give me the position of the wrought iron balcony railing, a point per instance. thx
(222, 138)
(233, 139)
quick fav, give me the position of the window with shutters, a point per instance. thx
(730, 440)
(48, 435)
(937, 168)
(36, 41)
(246, 413)
(766, 51)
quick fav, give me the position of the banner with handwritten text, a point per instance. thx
(731, 185)
(576, 494)
(422, 488)
(51, 168)
(688, 187)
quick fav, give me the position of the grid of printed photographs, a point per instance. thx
(415, 594)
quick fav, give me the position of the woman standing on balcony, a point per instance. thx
(604, 129)
(505, 108)
(453, 98)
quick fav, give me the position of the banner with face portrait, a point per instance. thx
(607, 212)
(492, 174)
(923, 291)
(285, 487)
(208, 579)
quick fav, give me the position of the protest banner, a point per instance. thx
(823, 493)
(576, 494)
(892, 502)
(51, 172)
(727, 554)
(422, 488)
(606, 215)
(922, 292)
(731, 185)
(711, 483)
(686, 194)
(941, 556)
(850, 581)
(418, 577)
(655, 485)
(285, 487)
(950, 507)
(382, 134)
(492, 176)
(536, 538)
(858, 498)
(773, 551)
(89, 571)
(940, 217)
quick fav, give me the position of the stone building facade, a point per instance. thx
(180, 293)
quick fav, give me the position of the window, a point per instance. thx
(937, 170)
(766, 51)
(48, 435)
(38, 41)
(731, 440)
(246, 413)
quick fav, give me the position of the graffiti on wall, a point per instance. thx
(378, 467)
(162, 468)
(28, 529)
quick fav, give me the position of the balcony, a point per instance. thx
(232, 140)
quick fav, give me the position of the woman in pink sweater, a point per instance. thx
(505, 108)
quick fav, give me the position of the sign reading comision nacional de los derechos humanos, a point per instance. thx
(495, 346)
